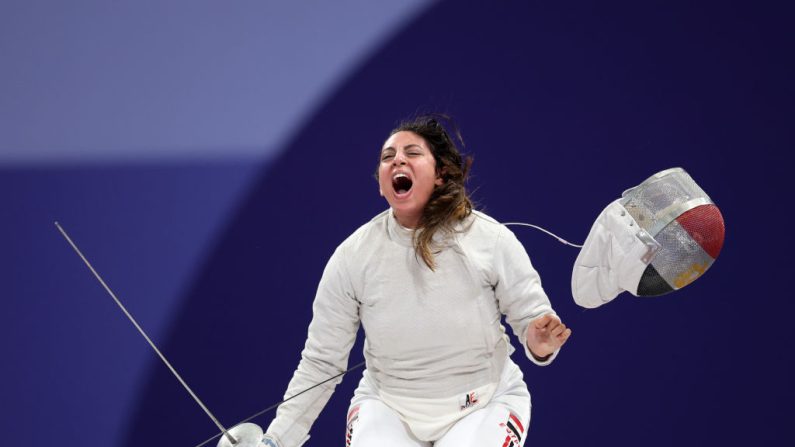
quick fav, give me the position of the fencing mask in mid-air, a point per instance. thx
(658, 237)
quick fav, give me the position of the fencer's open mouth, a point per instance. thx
(401, 183)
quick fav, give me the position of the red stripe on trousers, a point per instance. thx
(519, 424)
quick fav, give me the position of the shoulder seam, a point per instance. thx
(485, 217)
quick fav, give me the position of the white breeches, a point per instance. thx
(502, 422)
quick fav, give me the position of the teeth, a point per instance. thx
(398, 175)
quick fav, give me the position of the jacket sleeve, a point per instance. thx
(518, 289)
(330, 337)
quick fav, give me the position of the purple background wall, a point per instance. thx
(208, 158)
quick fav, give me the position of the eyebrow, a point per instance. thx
(404, 147)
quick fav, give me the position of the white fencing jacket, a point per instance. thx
(428, 334)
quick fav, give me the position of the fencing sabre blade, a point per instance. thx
(226, 432)
(242, 434)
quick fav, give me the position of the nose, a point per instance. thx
(399, 159)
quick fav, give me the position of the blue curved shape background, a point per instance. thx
(563, 106)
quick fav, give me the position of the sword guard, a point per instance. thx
(247, 434)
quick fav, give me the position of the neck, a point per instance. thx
(407, 221)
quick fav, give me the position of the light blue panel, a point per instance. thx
(96, 80)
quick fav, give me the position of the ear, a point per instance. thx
(439, 177)
(380, 191)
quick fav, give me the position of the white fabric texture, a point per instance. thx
(432, 419)
(610, 261)
(428, 334)
(377, 425)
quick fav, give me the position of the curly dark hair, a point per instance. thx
(449, 202)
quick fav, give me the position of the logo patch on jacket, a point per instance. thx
(469, 400)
